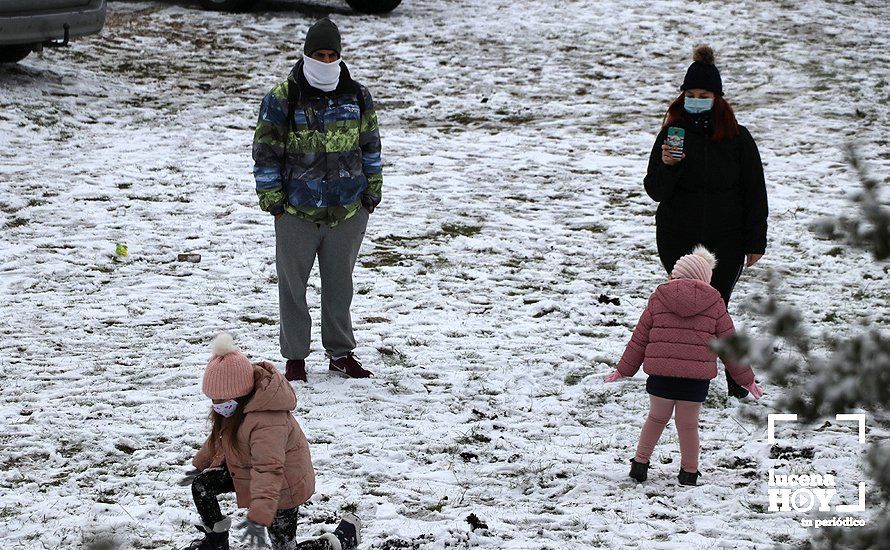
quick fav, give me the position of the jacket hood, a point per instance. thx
(272, 392)
(687, 297)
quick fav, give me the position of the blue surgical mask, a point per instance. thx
(226, 409)
(695, 105)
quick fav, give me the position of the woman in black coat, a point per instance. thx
(714, 194)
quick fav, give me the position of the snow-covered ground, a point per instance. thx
(515, 140)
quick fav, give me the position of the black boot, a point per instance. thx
(639, 470)
(349, 532)
(215, 538)
(688, 478)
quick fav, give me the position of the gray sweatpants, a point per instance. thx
(297, 243)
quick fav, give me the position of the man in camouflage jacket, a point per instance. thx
(318, 171)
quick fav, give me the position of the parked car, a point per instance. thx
(363, 6)
(31, 25)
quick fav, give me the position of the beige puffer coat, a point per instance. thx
(271, 467)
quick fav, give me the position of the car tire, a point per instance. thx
(15, 52)
(373, 6)
(226, 5)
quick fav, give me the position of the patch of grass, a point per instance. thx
(16, 222)
(737, 463)
(68, 449)
(716, 400)
(124, 448)
(374, 320)
(574, 377)
(790, 453)
(402, 544)
(384, 258)
(438, 506)
(473, 436)
(259, 320)
(457, 229)
(756, 507)
(106, 497)
(592, 227)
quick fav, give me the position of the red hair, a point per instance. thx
(725, 124)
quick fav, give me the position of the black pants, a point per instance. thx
(730, 260)
(730, 256)
(215, 481)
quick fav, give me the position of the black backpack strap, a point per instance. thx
(362, 107)
(293, 98)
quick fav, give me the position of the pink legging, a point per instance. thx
(660, 410)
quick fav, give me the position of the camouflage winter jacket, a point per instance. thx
(331, 165)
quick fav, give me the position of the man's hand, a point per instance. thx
(667, 158)
(254, 534)
(278, 216)
(752, 259)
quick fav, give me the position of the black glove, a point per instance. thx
(188, 478)
(370, 203)
(734, 389)
(254, 534)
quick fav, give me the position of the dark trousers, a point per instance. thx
(297, 244)
(213, 482)
(730, 257)
(730, 261)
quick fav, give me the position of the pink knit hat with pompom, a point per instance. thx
(698, 265)
(229, 373)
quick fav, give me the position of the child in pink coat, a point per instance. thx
(672, 340)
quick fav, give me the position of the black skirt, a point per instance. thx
(680, 389)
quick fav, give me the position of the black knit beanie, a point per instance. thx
(703, 73)
(322, 35)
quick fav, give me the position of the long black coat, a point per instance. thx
(716, 195)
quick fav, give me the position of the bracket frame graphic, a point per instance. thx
(856, 417)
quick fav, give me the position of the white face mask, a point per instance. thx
(226, 409)
(323, 76)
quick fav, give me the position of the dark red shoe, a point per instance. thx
(349, 366)
(295, 370)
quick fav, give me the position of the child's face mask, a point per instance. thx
(226, 409)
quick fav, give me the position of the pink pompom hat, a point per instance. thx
(229, 373)
(698, 265)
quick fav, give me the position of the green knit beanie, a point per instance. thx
(323, 35)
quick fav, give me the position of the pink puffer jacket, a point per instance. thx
(272, 469)
(673, 335)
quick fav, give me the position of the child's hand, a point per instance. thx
(188, 478)
(754, 389)
(254, 534)
(613, 377)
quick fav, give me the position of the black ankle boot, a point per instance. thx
(688, 478)
(639, 470)
(349, 532)
(215, 538)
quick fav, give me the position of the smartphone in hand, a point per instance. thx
(674, 141)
